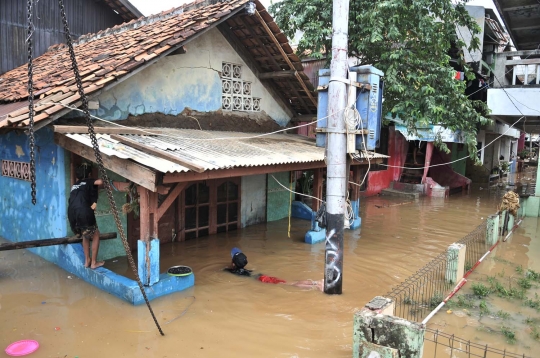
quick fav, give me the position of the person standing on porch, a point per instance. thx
(82, 203)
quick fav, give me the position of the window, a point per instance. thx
(236, 93)
(227, 207)
(197, 211)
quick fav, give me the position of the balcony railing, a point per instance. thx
(517, 68)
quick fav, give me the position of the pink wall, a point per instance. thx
(397, 150)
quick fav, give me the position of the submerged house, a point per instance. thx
(182, 104)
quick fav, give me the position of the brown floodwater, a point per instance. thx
(231, 316)
(501, 312)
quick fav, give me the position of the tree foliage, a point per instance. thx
(411, 41)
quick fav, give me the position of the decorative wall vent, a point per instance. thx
(17, 170)
(235, 93)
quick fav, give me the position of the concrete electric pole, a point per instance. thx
(336, 156)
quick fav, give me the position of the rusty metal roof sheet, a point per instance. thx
(213, 150)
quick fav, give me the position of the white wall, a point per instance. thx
(253, 209)
(527, 101)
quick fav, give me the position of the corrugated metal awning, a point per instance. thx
(210, 150)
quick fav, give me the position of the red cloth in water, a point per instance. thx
(270, 279)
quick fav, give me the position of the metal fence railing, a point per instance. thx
(439, 344)
(419, 294)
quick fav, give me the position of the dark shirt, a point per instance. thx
(83, 194)
(239, 271)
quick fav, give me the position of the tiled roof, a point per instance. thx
(108, 56)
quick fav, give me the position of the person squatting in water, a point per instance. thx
(239, 262)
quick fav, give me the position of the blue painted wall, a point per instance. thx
(19, 219)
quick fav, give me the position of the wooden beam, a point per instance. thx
(238, 172)
(173, 194)
(50, 242)
(304, 118)
(277, 66)
(105, 130)
(278, 45)
(132, 171)
(158, 153)
(276, 74)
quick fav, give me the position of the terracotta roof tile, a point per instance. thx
(102, 58)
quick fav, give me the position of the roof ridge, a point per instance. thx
(136, 23)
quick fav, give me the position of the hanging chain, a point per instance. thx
(30, 5)
(99, 160)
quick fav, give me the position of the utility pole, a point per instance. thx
(336, 156)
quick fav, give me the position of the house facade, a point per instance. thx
(183, 104)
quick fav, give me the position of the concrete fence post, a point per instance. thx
(378, 334)
(510, 222)
(492, 231)
(501, 221)
(455, 266)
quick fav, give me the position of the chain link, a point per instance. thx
(30, 5)
(99, 160)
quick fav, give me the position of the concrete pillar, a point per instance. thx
(492, 231)
(316, 234)
(148, 261)
(537, 190)
(455, 266)
(377, 334)
(501, 221)
(429, 152)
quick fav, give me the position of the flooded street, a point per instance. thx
(504, 318)
(228, 315)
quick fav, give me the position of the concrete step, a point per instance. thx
(400, 194)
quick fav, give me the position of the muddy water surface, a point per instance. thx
(505, 318)
(230, 316)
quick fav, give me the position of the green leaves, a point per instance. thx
(410, 40)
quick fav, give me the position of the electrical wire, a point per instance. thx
(294, 192)
(191, 138)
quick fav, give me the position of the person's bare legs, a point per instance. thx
(95, 250)
(86, 249)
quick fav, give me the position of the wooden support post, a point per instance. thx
(144, 203)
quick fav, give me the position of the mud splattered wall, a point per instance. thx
(19, 219)
(253, 208)
(278, 198)
(190, 80)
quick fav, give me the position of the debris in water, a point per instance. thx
(69, 277)
(43, 302)
(449, 311)
(56, 328)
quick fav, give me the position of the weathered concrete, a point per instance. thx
(372, 350)
(156, 89)
(381, 305)
(492, 232)
(455, 266)
(148, 261)
(386, 331)
(399, 194)
(253, 196)
(532, 206)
